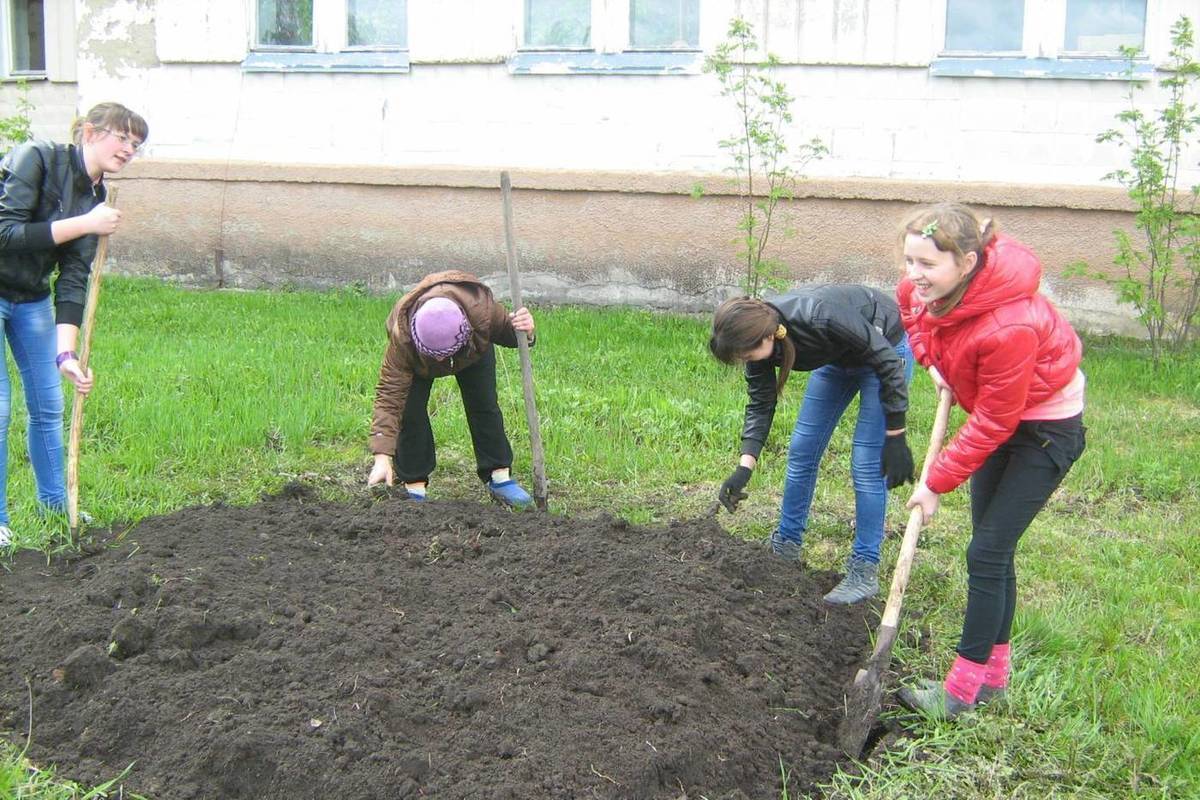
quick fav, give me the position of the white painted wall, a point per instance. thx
(858, 70)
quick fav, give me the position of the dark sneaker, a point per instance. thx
(509, 493)
(787, 550)
(934, 702)
(860, 583)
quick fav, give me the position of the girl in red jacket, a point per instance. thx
(969, 300)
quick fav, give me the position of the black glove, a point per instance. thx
(732, 490)
(897, 461)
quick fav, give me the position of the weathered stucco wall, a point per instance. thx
(592, 238)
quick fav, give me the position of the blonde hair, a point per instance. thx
(113, 117)
(953, 228)
(740, 325)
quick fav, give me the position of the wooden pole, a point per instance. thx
(531, 413)
(89, 314)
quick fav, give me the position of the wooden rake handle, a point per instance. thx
(912, 531)
(85, 351)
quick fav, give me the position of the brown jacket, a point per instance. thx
(489, 323)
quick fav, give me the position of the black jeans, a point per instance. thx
(1007, 492)
(415, 456)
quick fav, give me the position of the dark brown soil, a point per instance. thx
(303, 649)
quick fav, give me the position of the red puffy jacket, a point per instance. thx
(1003, 349)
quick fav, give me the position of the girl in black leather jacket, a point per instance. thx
(852, 341)
(51, 213)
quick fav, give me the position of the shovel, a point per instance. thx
(531, 413)
(864, 699)
(89, 314)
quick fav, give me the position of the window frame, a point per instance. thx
(611, 51)
(255, 30)
(612, 26)
(8, 70)
(1043, 53)
(330, 50)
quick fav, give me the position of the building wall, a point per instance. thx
(331, 177)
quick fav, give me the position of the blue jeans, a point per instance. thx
(830, 390)
(29, 330)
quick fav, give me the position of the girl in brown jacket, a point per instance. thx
(445, 326)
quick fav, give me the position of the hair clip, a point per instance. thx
(929, 230)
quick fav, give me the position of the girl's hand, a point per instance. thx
(381, 472)
(72, 371)
(522, 320)
(102, 220)
(925, 499)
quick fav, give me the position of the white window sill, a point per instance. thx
(28, 77)
(350, 61)
(560, 62)
(1082, 69)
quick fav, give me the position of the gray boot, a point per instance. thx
(861, 582)
(788, 551)
(934, 702)
(987, 694)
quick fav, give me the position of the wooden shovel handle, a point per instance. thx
(531, 413)
(85, 351)
(912, 531)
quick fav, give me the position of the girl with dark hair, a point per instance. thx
(970, 303)
(852, 340)
(51, 213)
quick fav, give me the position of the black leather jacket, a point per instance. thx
(845, 325)
(43, 182)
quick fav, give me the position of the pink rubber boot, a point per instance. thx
(995, 677)
(954, 696)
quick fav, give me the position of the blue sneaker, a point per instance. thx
(509, 493)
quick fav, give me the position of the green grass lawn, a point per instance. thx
(205, 396)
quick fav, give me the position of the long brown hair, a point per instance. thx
(112, 117)
(953, 228)
(740, 325)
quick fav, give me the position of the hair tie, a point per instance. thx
(781, 332)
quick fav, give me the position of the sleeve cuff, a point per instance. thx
(940, 484)
(68, 313)
(383, 445)
(751, 447)
(39, 236)
(894, 420)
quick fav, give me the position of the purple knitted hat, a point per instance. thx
(439, 328)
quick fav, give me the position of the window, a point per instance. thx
(331, 26)
(558, 24)
(25, 37)
(1104, 26)
(329, 36)
(671, 25)
(376, 23)
(1066, 39)
(617, 37)
(1044, 28)
(285, 23)
(623, 25)
(984, 25)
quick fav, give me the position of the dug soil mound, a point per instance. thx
(303, 649)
